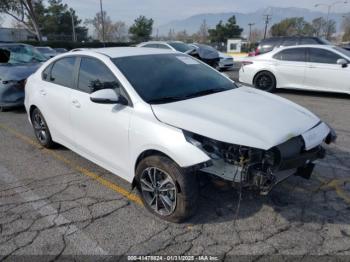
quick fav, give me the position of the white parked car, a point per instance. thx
(308, 67)
(123, 109)
(170, 45)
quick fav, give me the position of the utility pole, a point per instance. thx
(329, 8)
(267, 20)
(74, 37)
(250, 31)
(102, 22)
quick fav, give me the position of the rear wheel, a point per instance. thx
(2, 109)
(166, 190)
(41, 129)
(265, 81)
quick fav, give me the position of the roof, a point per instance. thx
(127, 51)
(305, 46)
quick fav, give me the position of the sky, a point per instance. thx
(163, 11)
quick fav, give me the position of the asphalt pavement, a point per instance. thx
(56, 204)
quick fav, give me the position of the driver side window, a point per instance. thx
(94, 75)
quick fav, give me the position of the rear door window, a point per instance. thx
(292, 54)
(62, 72)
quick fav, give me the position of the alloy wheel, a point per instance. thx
(158, 190)
(264, 82)
(40, 127)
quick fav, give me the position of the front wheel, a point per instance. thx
(41, 129)
(166, 190)
(265, 81)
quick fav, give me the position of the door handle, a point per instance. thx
(43, 92)
(76, 103)
(311, 66)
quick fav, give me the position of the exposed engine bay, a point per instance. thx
(256, 168)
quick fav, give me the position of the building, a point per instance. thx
(15, 35)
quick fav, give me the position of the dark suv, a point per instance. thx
(269, 44)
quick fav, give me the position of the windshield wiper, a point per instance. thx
(163, 100)
(205, 92)
(170, 99)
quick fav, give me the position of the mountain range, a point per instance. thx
(192, 24)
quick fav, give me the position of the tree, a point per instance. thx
(223, 32)
(24, 12)
(1, 20)
(319, 25)
(142, 29)
(112, 31)
(256, 35)
(182, 36)
(53, 20)
(171, 34)
(323, 28)
(203, 34)
(57, 21)
(292, 27)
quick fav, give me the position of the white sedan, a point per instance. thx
(308, 67)
(123, 109)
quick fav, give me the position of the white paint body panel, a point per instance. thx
(300, 75)
(243, 116)
(114, 136)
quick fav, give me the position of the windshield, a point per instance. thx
(181, 47)
(166, 78)
(23, 54)
(343, 51)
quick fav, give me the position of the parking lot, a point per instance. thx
(55, 203)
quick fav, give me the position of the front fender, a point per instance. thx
(148, 133)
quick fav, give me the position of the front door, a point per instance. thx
(323, 72)
(101, 131)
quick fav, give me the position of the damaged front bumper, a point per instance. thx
(263, 169)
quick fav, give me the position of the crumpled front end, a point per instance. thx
(263, 169)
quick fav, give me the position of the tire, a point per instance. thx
(182, 188)
(265, 81)
(2, 109)
(41, 129)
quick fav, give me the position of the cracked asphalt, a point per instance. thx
(62, 206)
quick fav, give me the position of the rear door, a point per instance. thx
(323, 72)
(290, 66)
(59, 80)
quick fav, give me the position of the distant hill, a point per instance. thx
(192, 24)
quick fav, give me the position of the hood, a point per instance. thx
(242, 116)
(17, 71)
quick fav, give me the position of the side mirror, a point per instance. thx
(107, 96)
(342, 62)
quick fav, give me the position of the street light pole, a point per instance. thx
(102, 22)
(329, 8)
(250, 31)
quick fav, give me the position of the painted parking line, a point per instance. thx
(124, 192)
(77, 238)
